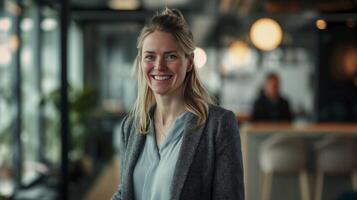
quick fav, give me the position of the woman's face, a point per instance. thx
(164, 63)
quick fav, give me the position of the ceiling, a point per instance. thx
(144, 4)
(239, 6)
(94, 10)
(217, 17)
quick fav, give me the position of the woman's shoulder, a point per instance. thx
(222, 123)
(217, 112)
(215, 109)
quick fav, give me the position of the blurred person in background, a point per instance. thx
(270, 105)
(175, 144)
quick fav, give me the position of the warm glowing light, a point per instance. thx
(349, 62)
(13, 43)
(48, 24)
(200, 57)
(26, 24)
(5, 24)
(239, 55)
(5, 55)
(266, 34)
(12, 8)
(350, 23)
(321, 24)
(124, 4)
(240, 50)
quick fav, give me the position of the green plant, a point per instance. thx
(82, 103)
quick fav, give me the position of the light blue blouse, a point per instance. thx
(155, 167)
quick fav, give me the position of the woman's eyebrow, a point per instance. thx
(172, 51)
(166, 52)
(150, 52)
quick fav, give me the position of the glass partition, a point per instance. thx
(29, 82)
(9, 109)
(30, 93)
(40, 82)
(50, 84)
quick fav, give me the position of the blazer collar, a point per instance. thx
(189, 144)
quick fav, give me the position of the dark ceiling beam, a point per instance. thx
(319, 5)
(107, 15)
(339, 17)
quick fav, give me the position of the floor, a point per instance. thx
(106, 184)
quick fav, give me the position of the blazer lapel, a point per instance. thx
(189, 144)
(132, 158)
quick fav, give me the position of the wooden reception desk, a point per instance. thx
(253, 134)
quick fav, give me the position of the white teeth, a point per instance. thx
(160, 78)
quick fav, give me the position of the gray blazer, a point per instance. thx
(209, 165)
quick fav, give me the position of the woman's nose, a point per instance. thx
(160, 63)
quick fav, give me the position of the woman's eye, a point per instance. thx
(171, 57)
(149, 57)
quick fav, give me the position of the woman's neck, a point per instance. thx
(166, 113)
(168, 108)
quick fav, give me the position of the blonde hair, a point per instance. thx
(196, 98)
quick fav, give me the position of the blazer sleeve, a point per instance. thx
(117, 195)
(122, 146)
(228, 181)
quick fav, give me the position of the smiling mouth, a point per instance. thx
(161, 78)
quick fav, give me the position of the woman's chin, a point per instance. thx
(160, 93)
(165, 91)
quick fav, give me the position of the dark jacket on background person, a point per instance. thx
(209, 165)
(266, 110)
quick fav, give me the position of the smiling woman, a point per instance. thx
(169, 31)
(165, 65)
(175, 144)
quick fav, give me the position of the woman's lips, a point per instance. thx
(161, 77)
